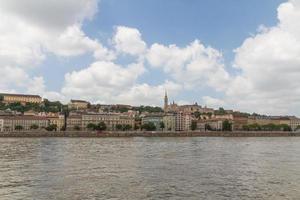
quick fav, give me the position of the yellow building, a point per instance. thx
(1, 125)
(111, 120)
(78, 104)
(59, 121)
(169, 122)
(74, 122)
(20, 98)
(10, 123)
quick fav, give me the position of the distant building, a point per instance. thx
(183, 121)
(295, 123)
(59, 121)
(111, 120)
(1, 124)
(21, 98)
(74, 122)
(78, 104)
(156, 119)
(211, 124)
(10, 123)
(173, 107)
(169, 122)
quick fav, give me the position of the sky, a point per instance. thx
(241, 55)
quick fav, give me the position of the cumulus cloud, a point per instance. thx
(107, 82)
(129, 40)
(194, 65)
(32, 29)
(269, 65)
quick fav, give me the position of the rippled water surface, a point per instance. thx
(150, 168)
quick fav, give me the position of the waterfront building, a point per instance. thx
(74, 122)
(295, 123)
(238, 122)
(174, 107)
(212, 124)
(1, 124)
(58, 120)
(111, 120)
(169, 122)
(183, 121)
(78, 104)
(156, 119)
(24, 123)
(20, 98)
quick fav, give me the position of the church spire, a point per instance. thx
(166, 101)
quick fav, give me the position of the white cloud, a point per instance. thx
(213, 102)
(107, 82)
(194, 65)
(128, 40)
(269, 65)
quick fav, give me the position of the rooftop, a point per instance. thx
(24, 95)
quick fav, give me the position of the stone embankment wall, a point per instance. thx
(149, 134)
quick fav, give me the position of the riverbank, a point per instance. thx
(150, 134)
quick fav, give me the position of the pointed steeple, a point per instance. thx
(166, 101)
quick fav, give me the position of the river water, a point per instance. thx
(149, 168)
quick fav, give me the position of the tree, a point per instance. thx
(101, 126)
(150, 126)
(208, 127)
(227, 126)
(91, 126)
(127, 127)
(1, 98)
(18, 127)
(194, 125)
(162, 125)
(221, 111)
(119, 127)
(246, 128)
(285, 127)
(197, 114)
(51, 127)
(34, 126)
(77, 128)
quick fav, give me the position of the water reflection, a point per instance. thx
(149, 168)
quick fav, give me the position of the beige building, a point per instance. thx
(183, 121)
(213, 124)
(295, 123)
(110, 120)
(1, 125)
(9, 123)
(59, 121)
(78, 104)
(169, 122)
(74, 122)
(21, 98)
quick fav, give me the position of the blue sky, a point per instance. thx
(221, 25)
(241, 55)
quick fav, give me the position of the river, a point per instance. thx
(150, 168)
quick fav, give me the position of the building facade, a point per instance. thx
(78, 104)
(111, 120)
(169, 122)
(183, 121)
(1, 125)
(211, 124)
(156, 119)
(24, 123)
(59, 121)
(21, 98)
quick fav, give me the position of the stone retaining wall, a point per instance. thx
(149, 134)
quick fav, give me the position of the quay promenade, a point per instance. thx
(149, 134)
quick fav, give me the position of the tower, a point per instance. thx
(166, 102)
